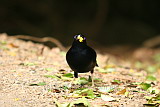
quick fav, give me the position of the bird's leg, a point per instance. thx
(75, 77)
(92, 78)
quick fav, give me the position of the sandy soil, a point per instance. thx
(23, 63)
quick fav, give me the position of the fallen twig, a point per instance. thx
(44, 39)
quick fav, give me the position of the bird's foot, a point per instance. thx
(92, 85)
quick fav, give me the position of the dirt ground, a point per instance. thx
(32, 75)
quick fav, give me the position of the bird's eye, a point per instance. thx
(75, 37)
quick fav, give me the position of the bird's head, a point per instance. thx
(80, 38)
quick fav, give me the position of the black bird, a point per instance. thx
(81, 58)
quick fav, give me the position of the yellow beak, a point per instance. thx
(80, 38)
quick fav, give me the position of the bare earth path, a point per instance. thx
(31, 75)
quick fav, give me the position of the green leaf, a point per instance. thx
(151, 78)
(85, 92)
(66, 78)
(89, 92)
(69, 75)
(153, 90)
(49, 69)
(39, 84)
(157, 97)
(82, 81)
(3, 42)
(80, 101)
(151, 69)
(52, 76)
(98, 79)
(65, 87)
(153, 99)
(126, 94)
(145, 86)
(147, 97)
(117, 81)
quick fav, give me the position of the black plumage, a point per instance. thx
(81, 58)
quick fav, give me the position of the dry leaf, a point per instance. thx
(12, 53)
(122, 92)
(13, 45)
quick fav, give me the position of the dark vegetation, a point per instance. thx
(106, 22)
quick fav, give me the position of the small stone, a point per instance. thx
(33, 72)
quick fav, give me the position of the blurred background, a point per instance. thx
(105, 22)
